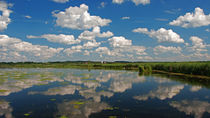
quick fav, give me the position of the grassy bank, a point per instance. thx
(191, 68)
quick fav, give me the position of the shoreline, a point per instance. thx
(182, 74)
(136, 70)
(188, 69)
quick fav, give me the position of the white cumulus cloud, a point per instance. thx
(162, 35)
(61, 1)
(73, 49)
(6, 40)
(118, 1)
(144, 2)
(90, 45)
(13, 48)
(125, 18)
(4, 18)
(131, 52)
(61, 38)
(162, 49)
(119, 41)
(197, 42)
(91, 35)
(79, 18)
(136, 2)
(196, 50)
(28, 17)
(102, 5)
(197, 45)
(196, 19)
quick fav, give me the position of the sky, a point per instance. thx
(104, 30)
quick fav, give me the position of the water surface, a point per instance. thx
(74, 93)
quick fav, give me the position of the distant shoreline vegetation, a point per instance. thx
(201, 68)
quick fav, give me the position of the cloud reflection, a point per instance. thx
(196, 108)
(80, 108)
(162, 93)
(95, 84)
(16, 80)
(5, 109)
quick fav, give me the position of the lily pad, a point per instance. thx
(2, 91)
(63, 117)
(52, 99)
(112, 116)
(76, 106)
(78, 103)
(27, 114)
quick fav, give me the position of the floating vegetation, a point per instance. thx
(112, 116)
(109, 108)
(95, 81)
(112, 108)
(2, 102)
(2, 81)
(63, 83)
(41, 84)
(2, 91)
(15, 80)
(83, 75)
(46, 79)
(86, 74)
(77, 102)
(76, 106)
(80, 108)
(27, 114)
(84, 78)
(63, 117)
(52, 99)
(59, 74)
(116, 107)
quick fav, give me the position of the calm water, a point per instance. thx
(72, 93)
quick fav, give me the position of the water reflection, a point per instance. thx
(192, 81)
(66, 90)
(80, 108)
(5, 109)
(162, 93)
(162, 80)
(94, 85)
(195, 88)
(96, 96)
(82, 93)
(16, 80)
(122, 82)
(196, 108)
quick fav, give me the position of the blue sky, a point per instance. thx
(108, 30)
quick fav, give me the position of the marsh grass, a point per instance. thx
(192, 68)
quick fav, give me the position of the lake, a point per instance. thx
(74, 93)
